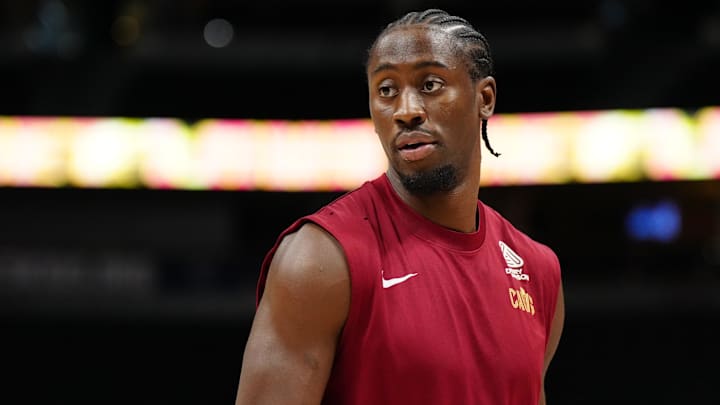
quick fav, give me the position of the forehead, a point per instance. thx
(412, 44)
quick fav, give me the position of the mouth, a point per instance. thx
(415, 151)
(414, 139)
(414, 146)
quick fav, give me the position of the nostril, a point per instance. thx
(410, 120)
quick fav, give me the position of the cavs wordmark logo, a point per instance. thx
(520, 299)
(514, 263)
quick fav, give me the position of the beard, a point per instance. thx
(429, 182)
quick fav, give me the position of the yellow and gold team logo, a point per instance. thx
(521, 299)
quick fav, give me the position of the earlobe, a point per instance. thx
(486, 93)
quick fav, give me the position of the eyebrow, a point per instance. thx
(418, 65)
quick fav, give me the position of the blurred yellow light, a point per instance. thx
(356, 155)
(668, 145)
(105, 153)
(533, 149)
(165, 153)
(607, 147)
(708, 142)
(32, 151)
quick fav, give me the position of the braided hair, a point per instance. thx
(475, 45)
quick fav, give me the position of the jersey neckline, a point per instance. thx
(425, 228)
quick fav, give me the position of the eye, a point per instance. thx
(431, 86)
(387, 91)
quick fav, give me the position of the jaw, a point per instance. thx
(429, 181)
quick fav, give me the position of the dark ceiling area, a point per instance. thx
(304, 59)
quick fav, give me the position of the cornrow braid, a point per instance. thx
(485, 139)
(475, 45)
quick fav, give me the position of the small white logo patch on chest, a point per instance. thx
(514, 263)
(389, 282)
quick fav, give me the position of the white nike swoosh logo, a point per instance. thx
(387, 283)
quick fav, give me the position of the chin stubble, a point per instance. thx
(428, 182)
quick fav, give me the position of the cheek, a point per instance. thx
(381, 114)
(455, 104)
(383, 111)
(446, 111)
(460, 124)
(455, 116)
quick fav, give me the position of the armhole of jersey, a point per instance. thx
(356, 261)
(553, 286)
(265, 266)
(360, 265)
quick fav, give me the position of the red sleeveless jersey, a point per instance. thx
(436, 316)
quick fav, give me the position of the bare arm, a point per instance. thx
(555, 332)
(292, 342)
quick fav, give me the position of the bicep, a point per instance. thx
(292, 342)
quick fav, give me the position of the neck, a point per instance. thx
(455, 209)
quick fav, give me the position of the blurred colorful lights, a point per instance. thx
(225, 154)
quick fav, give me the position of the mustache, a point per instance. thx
(416, 129)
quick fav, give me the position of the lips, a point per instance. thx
(414, 146)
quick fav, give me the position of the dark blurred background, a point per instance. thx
(146, 296)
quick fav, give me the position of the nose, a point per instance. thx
(410, 111)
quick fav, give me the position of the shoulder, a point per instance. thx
(309, 258)
(307, 281)
(297, 322)
(329, 242)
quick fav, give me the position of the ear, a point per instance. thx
(486, 90)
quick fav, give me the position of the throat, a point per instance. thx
(455, 208)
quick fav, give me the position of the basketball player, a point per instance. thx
(410, 290)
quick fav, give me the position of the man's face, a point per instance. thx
(425, 107)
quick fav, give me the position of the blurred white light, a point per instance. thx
(608, 147)
(218, 33)
(105, 154)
